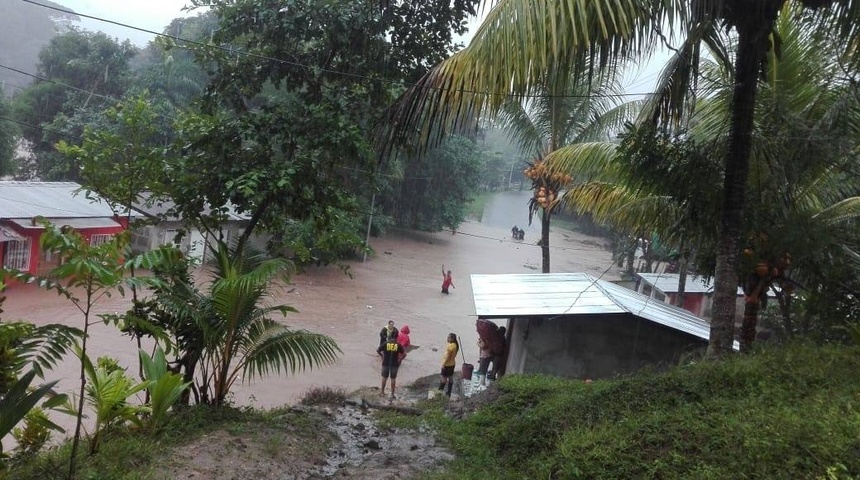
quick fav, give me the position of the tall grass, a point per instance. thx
(791, 412)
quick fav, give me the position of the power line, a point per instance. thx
(61, 84)
(233, 51)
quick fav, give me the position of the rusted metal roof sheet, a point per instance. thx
(49, 199)
(568, 294)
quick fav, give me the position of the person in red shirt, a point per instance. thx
(447, 280)
(404, 341)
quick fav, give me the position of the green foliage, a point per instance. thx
(94, 270)
(122, 157)
(140, 454)
(309, 244)
(8, 137)
(26, 346)
(19, 400)
(436, 189)
(781, 413)
(240, 336)
(89, 62)
(34, 434)
(229, 331)
(324, 396)
(164, 387)
(107, 391)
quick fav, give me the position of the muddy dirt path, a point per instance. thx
(401, 282)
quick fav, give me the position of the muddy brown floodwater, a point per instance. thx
(401, 282)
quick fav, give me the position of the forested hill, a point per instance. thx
(24, 29)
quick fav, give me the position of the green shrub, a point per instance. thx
(324, 396)
(164, 387)
(784, 412)
(34, 434)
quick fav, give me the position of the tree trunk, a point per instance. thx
(748, 327)
(544, 240)
(73, 458)
(752, 45)
(682, 280)
(785, 308)
(631, 259)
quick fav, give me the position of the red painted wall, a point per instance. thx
(692, 302)
(34, 234)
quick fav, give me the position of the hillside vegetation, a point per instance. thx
(790, 412)
(782, 413)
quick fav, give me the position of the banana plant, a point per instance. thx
(164, 387)
(107, 392)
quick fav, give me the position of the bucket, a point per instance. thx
(466, 371)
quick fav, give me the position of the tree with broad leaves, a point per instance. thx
(83, 72)
(550, 40)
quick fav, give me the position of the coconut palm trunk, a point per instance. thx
(544, 240)
(753, 44)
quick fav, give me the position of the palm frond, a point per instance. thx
(612, 121)
(585, 161)
(522, 129)
(520, 48)
(273, 348)
(44, 346)
(617, 205)
(841, 212)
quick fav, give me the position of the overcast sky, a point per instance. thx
(154, 15)
(147, 14)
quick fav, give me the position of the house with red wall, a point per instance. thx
(23, 204)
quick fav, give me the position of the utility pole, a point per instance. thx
(369, 223)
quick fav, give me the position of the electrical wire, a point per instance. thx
(233, 51)
(61, 84)
(355, 211)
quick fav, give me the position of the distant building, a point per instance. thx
(573, 325)
(163, 228)
(698, 291)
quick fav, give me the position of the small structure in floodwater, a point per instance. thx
(574, 325)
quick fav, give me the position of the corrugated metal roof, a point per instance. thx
(48, 199)
(538, 294)
(160, 207)
(668, 282)
(563, 294)
(76, 223)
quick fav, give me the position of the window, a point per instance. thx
(99, 239)
(17, 255)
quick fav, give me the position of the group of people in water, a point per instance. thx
(394, 344)
(518, 233)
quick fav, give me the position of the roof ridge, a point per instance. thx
(597, 282)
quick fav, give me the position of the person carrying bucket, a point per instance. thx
(449, 361)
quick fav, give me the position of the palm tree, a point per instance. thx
(575, 111)
(236, 332)
(524, 45)
(805, 130)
